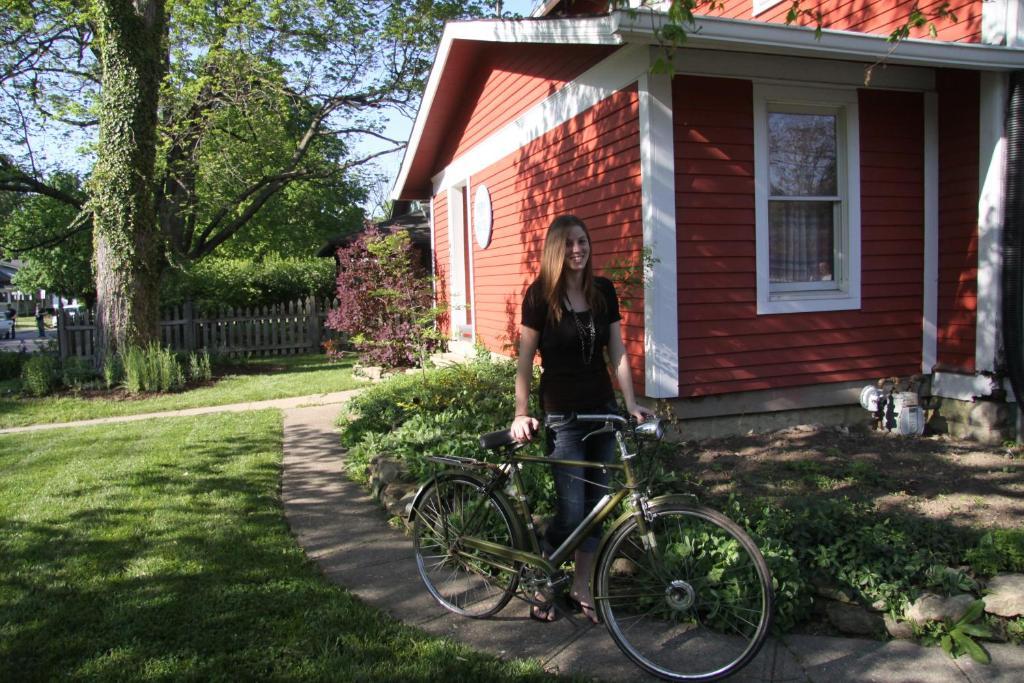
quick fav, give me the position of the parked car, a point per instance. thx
(6, 328)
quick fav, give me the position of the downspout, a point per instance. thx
(1013, 242)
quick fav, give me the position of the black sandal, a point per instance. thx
(542, 609)
(588, 611)
(545, 615)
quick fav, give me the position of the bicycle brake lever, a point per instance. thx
(605, 429)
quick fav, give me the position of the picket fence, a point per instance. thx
(285, 329)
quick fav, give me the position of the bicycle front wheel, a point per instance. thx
(689, 600)
(451, 519)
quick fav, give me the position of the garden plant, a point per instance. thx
(386, 302)
(815, 542)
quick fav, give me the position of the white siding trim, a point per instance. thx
(963, 387)
(993, 21)
(930, 295)
(599, 82)
(783, 69)
(433, 249)
(992, 145)
(1002, 23)
(1015, 25)
(661, 283)
(470, 256)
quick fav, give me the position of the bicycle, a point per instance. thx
(682, 589)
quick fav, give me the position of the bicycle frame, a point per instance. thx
(602, 510)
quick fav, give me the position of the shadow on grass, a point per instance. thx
(183, 567)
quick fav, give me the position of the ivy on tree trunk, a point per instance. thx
(127, 242)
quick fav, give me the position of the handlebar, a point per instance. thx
(653, 428)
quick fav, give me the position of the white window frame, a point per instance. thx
(843, 292)
(762, 5)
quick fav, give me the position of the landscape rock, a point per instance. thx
(386, 470)
(931, 607)
(901, 630)
(1005, 596)
(831, 591)
(853, 619)
(370, 372)
(396, 497)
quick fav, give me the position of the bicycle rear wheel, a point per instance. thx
(463, 578)
(691, 600)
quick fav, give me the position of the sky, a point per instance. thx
(400, 127)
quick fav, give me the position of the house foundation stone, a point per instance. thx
(985, 420)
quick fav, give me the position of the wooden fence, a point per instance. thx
(284, 329)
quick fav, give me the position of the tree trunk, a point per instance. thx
(127, 247)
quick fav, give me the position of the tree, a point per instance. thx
(198, 114)
(59, 262)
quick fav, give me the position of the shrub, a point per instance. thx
(77, 372)
(40, 374)
(11, 364)
(998, 550)
(113, 371)
(199, 367)
(437, 411)
(151, 368)
(385, 302)
(216, 282)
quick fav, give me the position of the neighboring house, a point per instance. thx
(810, 233)
(411, 217)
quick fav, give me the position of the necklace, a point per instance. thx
(586, 333)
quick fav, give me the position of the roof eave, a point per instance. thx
(591, 31)
(753, 36)
(642, 26)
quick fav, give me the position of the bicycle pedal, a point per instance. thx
(560, 581)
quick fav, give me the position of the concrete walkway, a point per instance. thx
(345, 531)
(331, 399)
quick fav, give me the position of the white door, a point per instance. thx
(461, 264)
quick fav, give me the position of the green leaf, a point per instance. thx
(947, 645)
(976, 609)
(977, 630)
(977, 652)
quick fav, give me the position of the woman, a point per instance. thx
(572, 317)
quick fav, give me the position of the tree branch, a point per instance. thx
(82, 221)
(13, 179)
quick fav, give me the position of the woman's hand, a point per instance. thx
(639, 412)
(524, 427)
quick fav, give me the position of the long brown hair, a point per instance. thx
(552, 278)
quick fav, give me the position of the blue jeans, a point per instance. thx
(577, 489)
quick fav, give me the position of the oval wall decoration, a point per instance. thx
(482, 216)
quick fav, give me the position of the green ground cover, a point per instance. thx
(159, 551)
(813, 540)
(258, 380)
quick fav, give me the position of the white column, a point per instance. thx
(657, 166)
(929, 323)
(992, 143)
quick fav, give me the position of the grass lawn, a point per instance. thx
(259, 380)
(159, 551)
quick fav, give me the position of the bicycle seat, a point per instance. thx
(492, 440)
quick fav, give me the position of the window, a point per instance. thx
(807, 198)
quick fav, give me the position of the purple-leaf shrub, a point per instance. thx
(385, 301)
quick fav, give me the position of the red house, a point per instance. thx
(819, 212)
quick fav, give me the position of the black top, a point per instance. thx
(568, 382)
